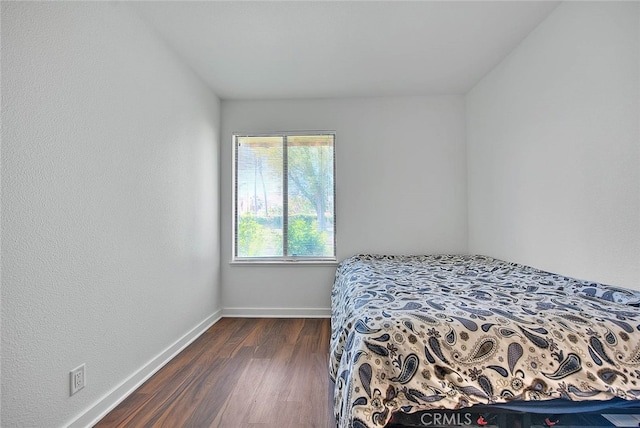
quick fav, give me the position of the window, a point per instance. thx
(284, 192)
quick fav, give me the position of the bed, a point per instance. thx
(414, 333)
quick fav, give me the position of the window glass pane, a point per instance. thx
(259, 169)
(310, 185)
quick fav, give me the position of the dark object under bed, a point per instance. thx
(444, 333)
(556, 413)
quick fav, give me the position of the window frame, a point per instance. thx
(284, 259)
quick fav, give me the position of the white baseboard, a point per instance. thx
(277, 312)
(107, 403)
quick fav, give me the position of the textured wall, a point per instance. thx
(400, 188)
(554, 147)
(109, 204)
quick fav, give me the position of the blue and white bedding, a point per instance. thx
(413, 333)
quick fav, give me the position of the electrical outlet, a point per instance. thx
(77, 379)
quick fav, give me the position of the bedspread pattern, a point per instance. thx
(413, 333)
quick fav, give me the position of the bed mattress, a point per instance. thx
(412, 333)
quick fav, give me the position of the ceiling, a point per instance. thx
(322, 49)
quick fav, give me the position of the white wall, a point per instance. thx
(554, 147)
(400, 183)
(110, 248)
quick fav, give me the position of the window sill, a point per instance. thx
(290, 262)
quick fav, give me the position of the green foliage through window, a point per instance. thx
(305, 238)
(250, 235)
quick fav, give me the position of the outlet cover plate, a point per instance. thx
(77, 377)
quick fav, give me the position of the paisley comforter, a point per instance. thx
(414, 333)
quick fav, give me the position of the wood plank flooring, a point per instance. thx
(242, 372)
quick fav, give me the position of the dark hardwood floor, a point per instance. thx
(242, 372)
